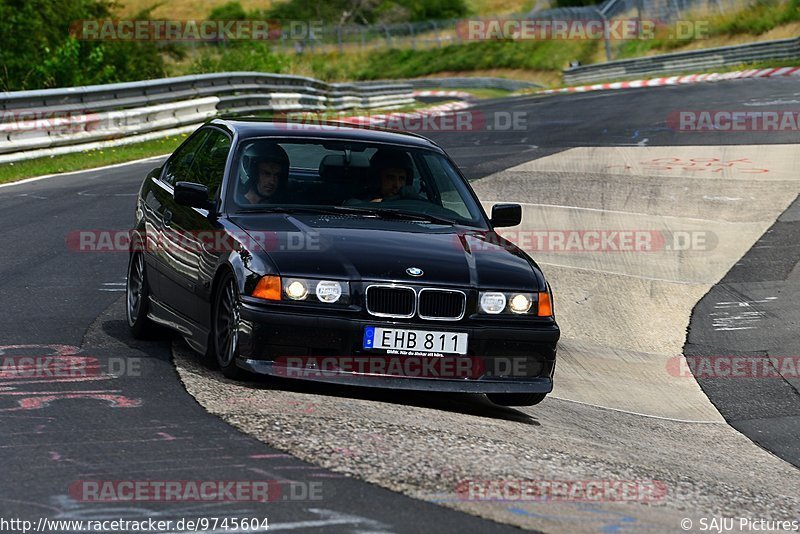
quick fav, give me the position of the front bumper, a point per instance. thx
(502, 357)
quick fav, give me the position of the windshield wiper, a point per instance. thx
(392, 213)
(401, 214)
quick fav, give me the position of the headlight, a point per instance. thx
(520, 303)
(516, 303)
(274, 287)
(326, 291)
(296, 289)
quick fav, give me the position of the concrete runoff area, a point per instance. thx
(620, 411)
(624, 313)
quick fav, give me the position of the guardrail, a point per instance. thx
(58, 121)
(681, 62)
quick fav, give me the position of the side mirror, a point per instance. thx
(506, 215)
(192, 195)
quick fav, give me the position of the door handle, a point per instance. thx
(167, 217)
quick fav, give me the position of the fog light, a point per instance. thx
(297, 290)
(520, 304)
(493, 302)
(329, 291)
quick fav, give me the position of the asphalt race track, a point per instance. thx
(623, 409)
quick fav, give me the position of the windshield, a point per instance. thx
(349, 177)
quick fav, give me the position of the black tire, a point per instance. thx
(225, 317)
(137, 294)
(516, 399)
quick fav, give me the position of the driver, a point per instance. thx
(390, 171)
(268, 174)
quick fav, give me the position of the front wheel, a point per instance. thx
(516, 399)
(137, 294)
(225, 334)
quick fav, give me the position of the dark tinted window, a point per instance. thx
(181, 161)
(208, 167)
(269, 172)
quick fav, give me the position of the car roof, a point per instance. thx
(247, 128)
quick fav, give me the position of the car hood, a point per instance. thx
(353, 248)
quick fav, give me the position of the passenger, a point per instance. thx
(268, 176)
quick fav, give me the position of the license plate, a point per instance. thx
(415, 340)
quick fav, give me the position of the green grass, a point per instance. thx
(759, 18)
(10, 172)
(767, 64)
(88, 159)
(481, 55)
(477, 93)
(401, 63)
(482, 93)
(755, 20)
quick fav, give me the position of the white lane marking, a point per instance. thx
(32, 196)
(641, 414)
(93, 169)
(779, 102)
(724, 199)
(88, 194)
(333, 517)
(601, 210)
(742, 303)
(114, 286)
(654, 279)
(736, 315)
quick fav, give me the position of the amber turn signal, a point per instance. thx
(268, 288)
(545, 306)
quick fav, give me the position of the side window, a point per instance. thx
(208, 167)
(181, 161)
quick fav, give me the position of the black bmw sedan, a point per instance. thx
(340, 254)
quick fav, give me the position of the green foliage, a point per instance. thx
(230, 11)
(509, 54)
(239, 56)
(756, 19)
(481, 55)
(88, 159)
(39, 52)
(360, 12)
